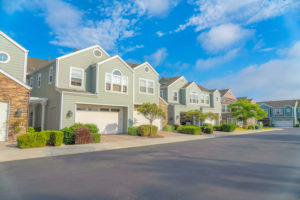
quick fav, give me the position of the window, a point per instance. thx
(217, 99)
(194, 98)
(31, 82)
(227, 109)
(114, 110)
(4, 57)
(39, 81)
(115, 82)
(162, 93)
(277, 111)
(288, 110)
(50, 75)
(146, 86)
(97, 53)
(223, 108)
(175, 96)
(93, 109)
(104, 109)
(202, 98)
(207, 99)
(76, 77)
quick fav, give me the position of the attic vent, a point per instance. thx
(97, 53)
(147, 69)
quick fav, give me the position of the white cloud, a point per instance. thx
(210, 13)
(156, 7)
(160, 34)
(157, 57)
(223, 36)
(275, 79)
(213, 62)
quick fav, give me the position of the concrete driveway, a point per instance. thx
(256, 166)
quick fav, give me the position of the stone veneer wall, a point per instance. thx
(18, 98)
(164, 107)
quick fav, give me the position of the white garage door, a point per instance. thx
(108, 119)
(3, 120)
(139, 119)
(283, 123)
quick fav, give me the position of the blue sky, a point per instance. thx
(250, 46)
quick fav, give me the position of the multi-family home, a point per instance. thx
(14, 93)
(227, 98)
(284, 113)
(183, 96)
(90, 86)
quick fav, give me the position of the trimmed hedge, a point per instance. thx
(92, 127)
(144, 130)
(228, 127)
(254, 126)
(56, 138)
(169, 128)
(189, 129)
(96, 137)
(28, 140)
(30, 129)
(132, 130)
(69, 135)
(217, 127)
(176, 126)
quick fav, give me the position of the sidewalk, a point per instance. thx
(9, 151)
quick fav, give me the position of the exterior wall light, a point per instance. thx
(18, 113)
(69, 114)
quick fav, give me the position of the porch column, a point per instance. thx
(43, 115)
(33, 115)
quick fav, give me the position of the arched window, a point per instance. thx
(117, 73)
(115, 82)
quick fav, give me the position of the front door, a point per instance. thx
(3, 120)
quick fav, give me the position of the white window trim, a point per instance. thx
(194, 93)
(39, 80)
(111, 83)
(31, 81)
(70, 78)
(202, 96)
(50, 74)
(147, 86)
(95, 54)
(8, 57)
(274, 113)
(206, 99)
(174, 95)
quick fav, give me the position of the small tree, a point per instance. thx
(244, 110)
(195, 114)
(212, 115)
(151, 112)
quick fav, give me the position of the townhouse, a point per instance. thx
(183, 96)
(90, 86)
(14, 93)
(284, 113)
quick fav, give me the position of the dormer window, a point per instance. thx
(116, 82)
(4, 57)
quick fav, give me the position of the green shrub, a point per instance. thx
(228, 127)
(132, 130)
(37, 129)
(169, 128)
(92, 127)
(56, 138)
(189, 129)
(254, 126)
(176, 126)
(30, 129)
(207, 125)
(217, 127)
(297, 125)
(69, 135)
(144, 130)
(36, 139)
(207, 129)
(97, 137)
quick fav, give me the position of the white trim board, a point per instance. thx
(14, 79)
(14, 42)
(146, 63)
(82, 50)
(114, 57)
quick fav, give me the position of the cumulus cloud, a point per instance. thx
(205, 64)
(156, 7)
(223, 37)
(157, 57)
(210, 13)
(275, 79)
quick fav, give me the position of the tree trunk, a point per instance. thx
(151, 127)
(245, 124)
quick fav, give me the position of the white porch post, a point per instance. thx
(33, 115)
(43, 115)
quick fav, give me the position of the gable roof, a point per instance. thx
(133, 65)
(14, 42)
(166, 81)
(203, 88)
(14, 79)
(187, 84)
(223, 91)
(35, 63)
(280, 104)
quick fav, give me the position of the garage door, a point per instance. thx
(283, 123)
(139, 119)
(108, 119)
(3, 120)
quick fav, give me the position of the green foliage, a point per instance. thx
(145, 130)
(212, 115)
(92, 127)
(254, 126)
(228, 127)
(207, 128)
(56, 138)
(297, 125)
(169, 128)
(189, 129)
(244, 110)
(16, 126)
(28, 140)
(132, 130)
(97, 137)
(30, 129)
(217, 127)
(176, 126)
(37, 129)
(195, 114)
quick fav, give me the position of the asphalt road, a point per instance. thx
(255, 167)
